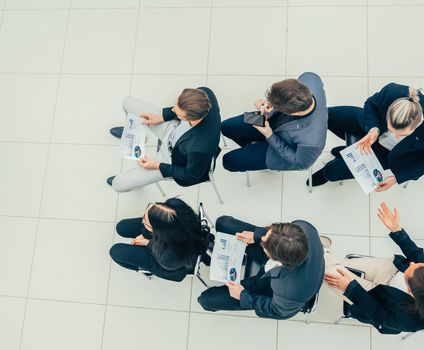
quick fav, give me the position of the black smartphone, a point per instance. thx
(254, 118)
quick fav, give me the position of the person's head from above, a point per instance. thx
(174, 225)
(414, 278)
(290, 96)
(286, 243)
(405, 114)
(192, 105)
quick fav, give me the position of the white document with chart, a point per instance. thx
(366, 168)
(227, 258)
(133, 138)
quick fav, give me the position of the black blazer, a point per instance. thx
(194, 150)
(406, 159)
(384, 307)
(282, 292)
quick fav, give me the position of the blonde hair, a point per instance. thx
(405, 111)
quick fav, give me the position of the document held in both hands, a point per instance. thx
(133, 138)
(366, 168)
(227, 258)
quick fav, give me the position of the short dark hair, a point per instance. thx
(287, 244)
(289, 96)
(195, 103)
(416, 284)
(177, 227)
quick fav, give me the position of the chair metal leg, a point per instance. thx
(339, 320)
(310, 179)
(224, 141)
(149, 277)
(215, 187)
(248, 179)
(405, 185)
(160, 189)
(407, 335)
(202, 280)
(308, 319)
(208, 218)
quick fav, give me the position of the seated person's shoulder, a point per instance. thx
(394, 89)
(310, 78)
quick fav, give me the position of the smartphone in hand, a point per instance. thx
(254, 118)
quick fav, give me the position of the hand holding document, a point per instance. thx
(133, 138)
(366, 168)
(227, 258)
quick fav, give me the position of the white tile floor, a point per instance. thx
(66, 65)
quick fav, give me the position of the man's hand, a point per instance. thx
(149, 164)
(264, 106)
(245, 236)
(265, 130)
(140, 240)
(340, 282)
(235, 289)
(151, 119)
(364, 144)
(386, 184)
(389, 219)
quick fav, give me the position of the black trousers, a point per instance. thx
(219, 298)
(250, 156)
(136, 257)
(342, 120)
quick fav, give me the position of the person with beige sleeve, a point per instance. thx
(390, 296)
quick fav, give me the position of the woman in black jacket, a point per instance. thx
(391, 295)
(391, 124)
(166, 241)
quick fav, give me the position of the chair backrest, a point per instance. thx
(251, 267)
(201, 212)
(311, 304)
(351, 139)
(213, 162)
(356, 256)
(196, 270)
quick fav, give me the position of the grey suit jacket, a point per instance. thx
(292, 287)
(296, 145)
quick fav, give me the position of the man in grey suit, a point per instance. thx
(291, 261)
(294, 133)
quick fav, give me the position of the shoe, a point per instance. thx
(117, 132)
(110, 180)
(318, 178)
(325, 241)
(336, 151)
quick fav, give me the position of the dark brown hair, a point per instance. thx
(287, 244)
(289, 96)
(195, 103)
(416, 284)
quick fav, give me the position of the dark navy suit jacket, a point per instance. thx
(282, 292)
(406, 159)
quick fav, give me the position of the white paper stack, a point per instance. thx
(227, 258)
(366, 168)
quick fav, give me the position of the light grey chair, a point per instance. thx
(211, 180)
